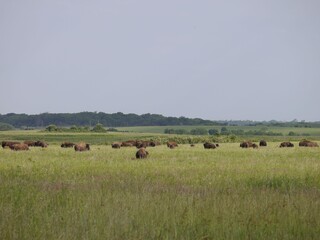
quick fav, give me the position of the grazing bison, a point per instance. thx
(30, 143)
(40, 144)
(192, 145)
(286, 144)
(127, 144)
(254, 145)
(67, 145)
(116, 145)
(207, 145)
(19, 147)
(80, 147)
(142, 153)
(246, 144)
(172, 144)
(306, 143)
(142, 145)
(8, 143)
(154, 143)
(262, 143)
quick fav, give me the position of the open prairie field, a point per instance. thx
(283, 130)
(182, 193)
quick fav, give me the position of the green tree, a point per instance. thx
(213, 131)
(6, 127)
(98, 128)
(51, 128)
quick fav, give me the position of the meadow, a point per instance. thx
(182, 193)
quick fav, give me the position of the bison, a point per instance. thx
(127, 144)
(254, 145)
(116, 145)
(286, 144)
(80, 147)
(142, 153)
(19, 147)
(306, 143)
(40, 144)
(172, 144)
(67, 145)
(154, 143)
(8, 143)
(207, 145)
(30, 143)
(246, 144)
(262, 143)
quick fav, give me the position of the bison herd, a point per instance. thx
(141, 145)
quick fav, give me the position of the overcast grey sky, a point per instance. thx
(257, 60)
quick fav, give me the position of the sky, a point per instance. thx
(218, 60)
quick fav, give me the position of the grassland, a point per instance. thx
(184, 193)
(284, 130)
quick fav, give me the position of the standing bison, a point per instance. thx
(207, 145)
(172, 144)
(40, 144)
(8, 144)
(142, 153)
(246, 144)
(116, 145)
(19, 147)
(262, 143)
(81, 147)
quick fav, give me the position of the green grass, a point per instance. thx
(184, 193)
(283, 130)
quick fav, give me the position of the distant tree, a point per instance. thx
(291, 133)
(224, 131)
(213, 131)
(98, 128)
(199, 131)
(52, 128)
(6, 127)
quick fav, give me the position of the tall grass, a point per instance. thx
(183, 193)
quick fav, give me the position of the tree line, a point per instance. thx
(90, 119)
(119, 119)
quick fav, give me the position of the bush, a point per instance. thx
(213, 131)
(98, 128)
(52, 128)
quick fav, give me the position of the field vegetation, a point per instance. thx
(182, 193)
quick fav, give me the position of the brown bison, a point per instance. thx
(246, 144)
(262, 143)
(80, 147)
(116, 145)
(306, 143)
(30, 143)
(286, 144)
(154, 143)
(8, 143)
(172, 144)
(127, 144)
(192, 145)
(40, 144)
(207, 145)
(142, 145)
(217, 144)
(67, 145)
(254, 145)
(142, 153)
(19, 147)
